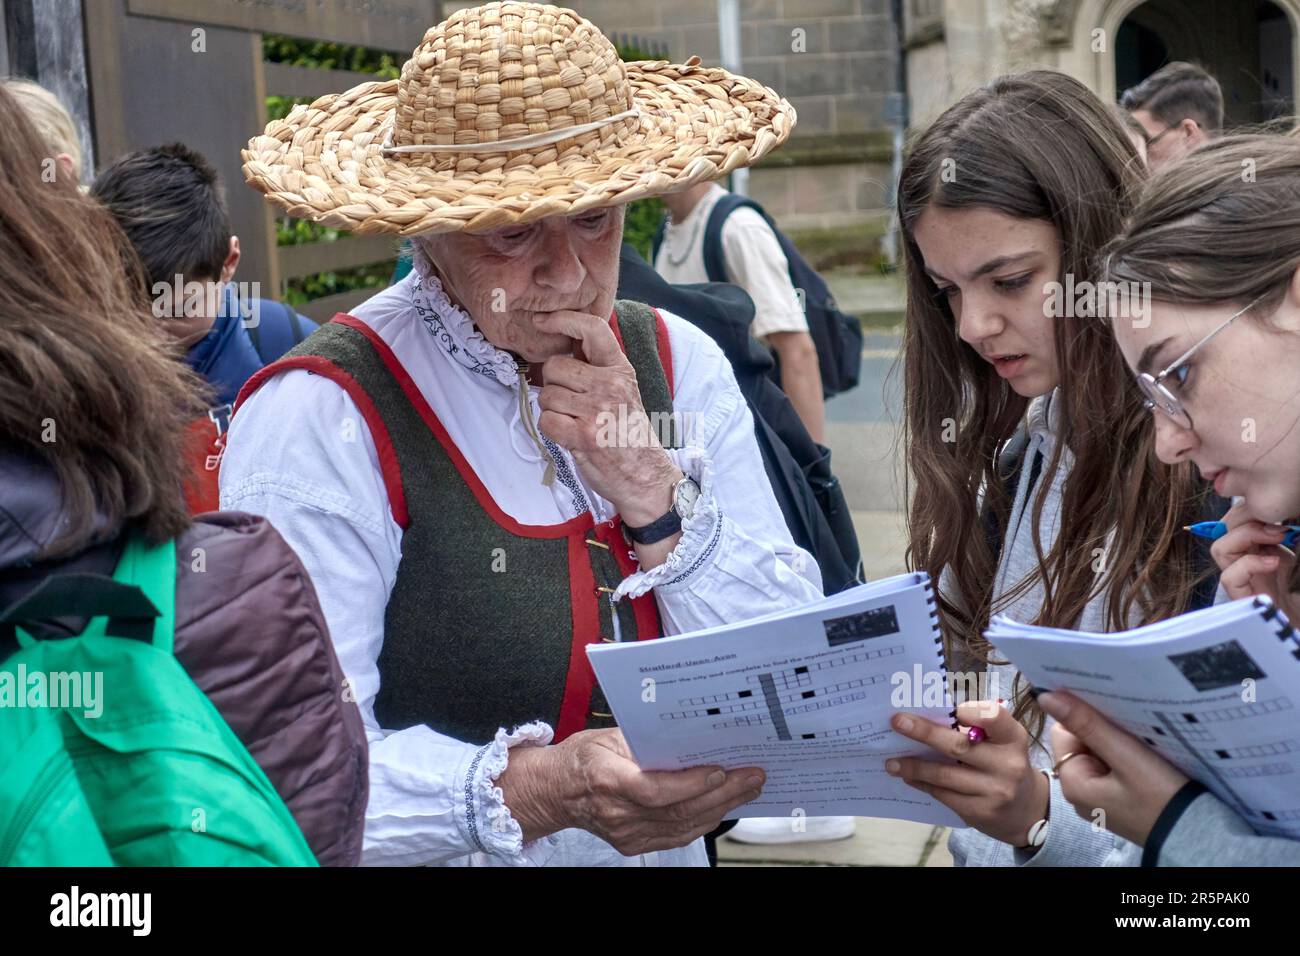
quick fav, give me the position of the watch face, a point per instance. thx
(688, 492)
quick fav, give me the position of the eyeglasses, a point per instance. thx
(1161, 396)
(1152, 140)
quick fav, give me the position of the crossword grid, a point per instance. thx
(752, 703)
(1192, 727)
(855, 729)
(1248, 710)
(1259, 770)
(1258, 750)
(797, 676)
(784, 692)
(757, 720)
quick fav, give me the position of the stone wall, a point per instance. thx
(835, 60)
(956, 45)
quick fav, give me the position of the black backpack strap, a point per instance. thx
(715, 265)
(638, 327)
(295, 324)
(1009, 461)
(129, 611)
(254, 330)
(657, 242)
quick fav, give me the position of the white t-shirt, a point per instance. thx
(752, 257)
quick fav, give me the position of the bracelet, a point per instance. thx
(1038, 832)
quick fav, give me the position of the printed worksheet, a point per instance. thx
(806, 694)
(1216, 692)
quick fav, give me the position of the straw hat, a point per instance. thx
(504, 114)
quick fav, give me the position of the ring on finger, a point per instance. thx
(1056, 768)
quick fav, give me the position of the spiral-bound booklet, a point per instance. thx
(806, 694)
(1216, 692)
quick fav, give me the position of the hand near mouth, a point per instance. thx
(584, 391)
(1253, 561)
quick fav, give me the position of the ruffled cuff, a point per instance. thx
(700, 532)
(487, 821)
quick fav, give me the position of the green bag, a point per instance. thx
(144, 772)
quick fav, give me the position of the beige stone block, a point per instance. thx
(815, 116)
(771, 188)
(820, 189)
(822, 8)
(861, 112)
(778, 37)
(683, 12)
(808, 74)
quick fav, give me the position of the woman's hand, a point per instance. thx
(1253, 561)
(1114, 779)
(994, 788)
(590, 781)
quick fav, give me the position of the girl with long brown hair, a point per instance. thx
(1217, 238)
(1034, 490)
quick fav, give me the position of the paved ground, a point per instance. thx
(862, 435)
(876, 843)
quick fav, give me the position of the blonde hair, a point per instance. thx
(50, 118)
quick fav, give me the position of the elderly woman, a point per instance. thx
(467, 466)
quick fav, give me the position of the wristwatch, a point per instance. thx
(685, 493)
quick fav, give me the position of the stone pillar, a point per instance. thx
(44, 41)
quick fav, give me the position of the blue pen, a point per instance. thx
(1213, 530)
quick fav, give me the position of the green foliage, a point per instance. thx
(292, 232)
(643, 216)
(305, 288)
(296, 232)
(330, 56)
(278, 107)
(640, 223)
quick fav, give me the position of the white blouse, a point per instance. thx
(299, 453)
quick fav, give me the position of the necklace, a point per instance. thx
(690, 243)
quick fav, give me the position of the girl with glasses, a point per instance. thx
(1218, 239)
(1010, 193)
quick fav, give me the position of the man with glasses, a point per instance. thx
(1180, 106)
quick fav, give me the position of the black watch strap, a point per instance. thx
(656, 530)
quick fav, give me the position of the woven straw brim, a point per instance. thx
(325, 162)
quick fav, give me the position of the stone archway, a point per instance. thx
(1097, 69)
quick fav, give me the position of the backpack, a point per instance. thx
(273, 339)
(837, 336)
(798, 469)
(147, 773)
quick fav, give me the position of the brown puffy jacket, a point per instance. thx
(250, 633)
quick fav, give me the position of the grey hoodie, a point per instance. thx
(1071, 840)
